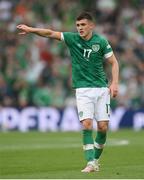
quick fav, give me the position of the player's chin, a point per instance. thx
(115, 95)
(81, 34)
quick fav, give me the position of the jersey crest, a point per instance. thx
(95, 47)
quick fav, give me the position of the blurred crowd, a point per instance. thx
(36, 71)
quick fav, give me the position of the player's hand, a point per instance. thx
(113, 90)
(24, 29)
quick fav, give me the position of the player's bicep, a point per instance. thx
(112, 59)
(55, 35)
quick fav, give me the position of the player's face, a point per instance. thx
(84, 28)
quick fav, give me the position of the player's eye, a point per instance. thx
(83, 24)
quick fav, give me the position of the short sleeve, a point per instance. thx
(107, 49)
(67, 37)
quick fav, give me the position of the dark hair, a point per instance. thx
(84, 15)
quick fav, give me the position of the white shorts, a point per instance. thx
(93, 103)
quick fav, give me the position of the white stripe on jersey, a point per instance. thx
(108, 55)
(62, 37)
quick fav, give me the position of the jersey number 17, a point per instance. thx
(87, 53)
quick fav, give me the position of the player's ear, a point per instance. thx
(92, 25)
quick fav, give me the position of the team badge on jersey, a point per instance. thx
(95, 47)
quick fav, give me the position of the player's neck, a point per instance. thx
(88, 36)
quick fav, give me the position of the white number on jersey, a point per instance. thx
(87, 53)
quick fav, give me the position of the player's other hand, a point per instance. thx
(113, 90)
(24, 29)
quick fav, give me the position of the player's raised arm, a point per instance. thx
(24, 29)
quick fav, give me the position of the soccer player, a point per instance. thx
(88, 50)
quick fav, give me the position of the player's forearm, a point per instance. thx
(115, 72)
(41, 32)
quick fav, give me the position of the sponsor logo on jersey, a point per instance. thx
(95, 47)
(79, 45)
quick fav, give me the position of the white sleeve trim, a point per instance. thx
(62, 37)
(108, 55)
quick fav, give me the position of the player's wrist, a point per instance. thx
(32, 30)
(115, 82)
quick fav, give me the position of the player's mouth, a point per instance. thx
(81, 32)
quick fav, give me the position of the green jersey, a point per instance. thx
(87, 59)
